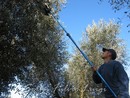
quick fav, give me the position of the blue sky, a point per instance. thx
(79, 13)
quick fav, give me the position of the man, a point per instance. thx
(114, 74)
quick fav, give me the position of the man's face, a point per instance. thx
(106, 54)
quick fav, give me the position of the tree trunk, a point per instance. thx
(53, 82)
(81, 93)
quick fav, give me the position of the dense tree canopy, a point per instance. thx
(32, 49)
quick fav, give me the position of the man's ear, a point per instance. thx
(109, 54)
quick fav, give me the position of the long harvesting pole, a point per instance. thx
(86, 58)
(48, 12)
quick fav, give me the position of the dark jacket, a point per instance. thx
(115, 75)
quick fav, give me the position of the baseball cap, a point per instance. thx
(112, 51)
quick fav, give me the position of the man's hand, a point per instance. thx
(94, 68)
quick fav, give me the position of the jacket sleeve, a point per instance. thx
(96, 78)
(123, 80)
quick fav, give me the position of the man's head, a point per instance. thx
(109, 54)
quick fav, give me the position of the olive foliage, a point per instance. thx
(121, 6)
(32, 46)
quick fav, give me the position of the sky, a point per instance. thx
(78, 14)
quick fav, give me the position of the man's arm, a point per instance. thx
(123, 80)
(96, 78)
